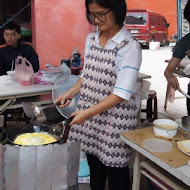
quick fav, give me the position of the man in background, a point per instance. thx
(14, 48)
(8, 53)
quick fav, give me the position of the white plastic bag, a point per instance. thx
(24, 73)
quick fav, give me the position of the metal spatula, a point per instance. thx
(32, 110)
(185, 94)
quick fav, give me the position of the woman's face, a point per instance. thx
(102, 17)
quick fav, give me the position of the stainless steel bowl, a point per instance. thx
(186, 123)
(186, 134)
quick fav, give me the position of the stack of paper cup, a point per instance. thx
(11, 74)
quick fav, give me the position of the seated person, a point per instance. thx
(14, 48)
(9, 52)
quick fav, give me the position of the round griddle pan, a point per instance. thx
(32, 128)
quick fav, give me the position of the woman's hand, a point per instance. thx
(173, 82)
(107, 103)
(80, 116)
(169, 73)
(65, 99)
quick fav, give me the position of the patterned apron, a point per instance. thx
(100, 135)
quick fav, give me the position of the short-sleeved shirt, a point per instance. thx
(128, 61)
(182, 47)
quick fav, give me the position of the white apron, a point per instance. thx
(100, 135)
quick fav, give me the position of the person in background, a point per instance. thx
(14, 48)
(108, 101)
(181, 49)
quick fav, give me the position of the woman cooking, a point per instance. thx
(108, 102)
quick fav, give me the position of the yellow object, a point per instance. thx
(34, 139)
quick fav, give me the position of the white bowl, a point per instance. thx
(165, 128)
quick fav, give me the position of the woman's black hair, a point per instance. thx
(187, 11)
(118, 7)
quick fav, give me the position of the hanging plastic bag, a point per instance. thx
(24, 73)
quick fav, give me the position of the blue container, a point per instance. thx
(76, 62)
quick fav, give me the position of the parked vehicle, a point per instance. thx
(147, 26)
(173, 41)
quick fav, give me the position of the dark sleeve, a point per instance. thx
(180, 50)
(3, 69)
(32, 57)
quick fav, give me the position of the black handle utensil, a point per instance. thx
(65, 123)
(32, 110)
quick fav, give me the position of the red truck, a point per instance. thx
(147, 26)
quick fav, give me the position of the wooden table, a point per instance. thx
(178, 178)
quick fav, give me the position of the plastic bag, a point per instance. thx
(51, 74)
(143, 89)
(24, 73)
(185, 62)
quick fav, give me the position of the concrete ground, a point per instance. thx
(154, 65)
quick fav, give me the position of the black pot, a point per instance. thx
(32, 128)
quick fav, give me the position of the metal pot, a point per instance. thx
(186, 123)
(56, 132)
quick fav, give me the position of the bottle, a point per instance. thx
(75, 62)
(72, 57)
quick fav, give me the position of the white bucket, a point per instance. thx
(154, 45)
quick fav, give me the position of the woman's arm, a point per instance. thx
(170, 70)
(107, 103)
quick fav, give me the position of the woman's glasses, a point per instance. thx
(100, 16)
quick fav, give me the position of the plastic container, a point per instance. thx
(75, 70)
(12, 75)
(66, 61)
(165, 128)
(26, 32)
(154, 45)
